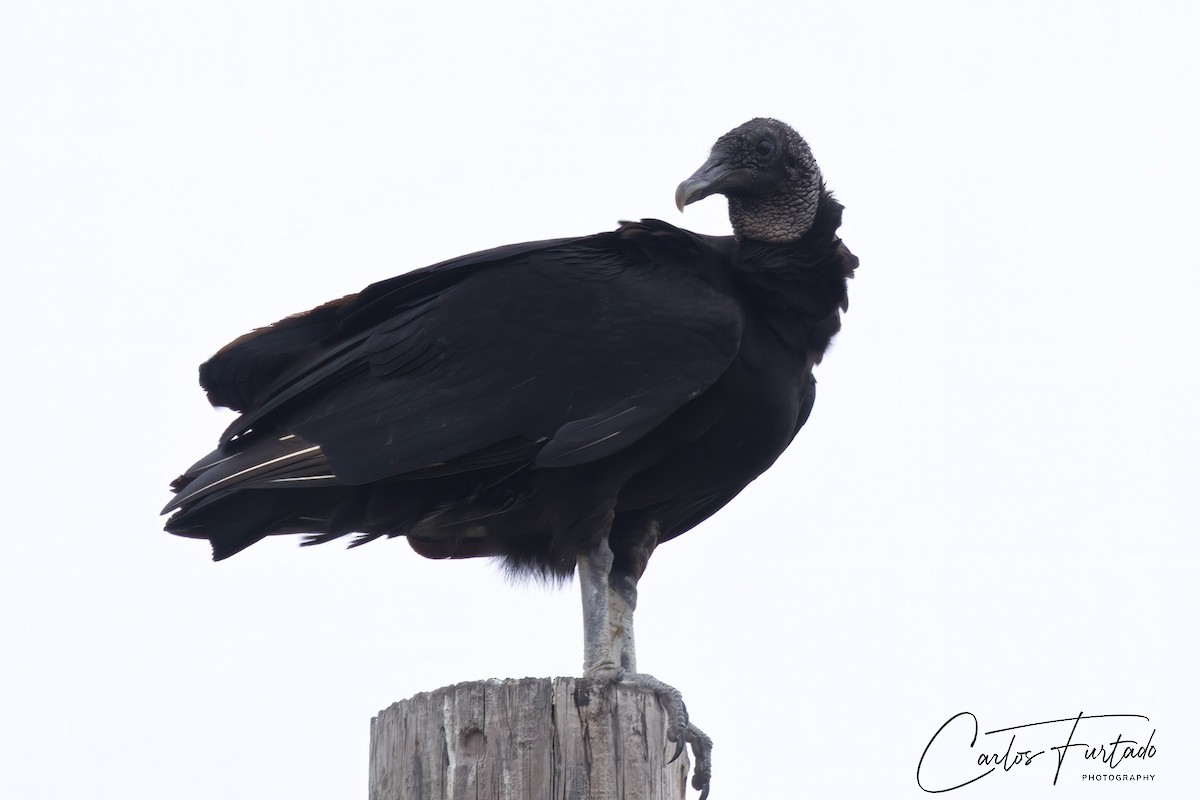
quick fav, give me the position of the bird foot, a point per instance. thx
(605, 672)
(679, 729)
(702, 753)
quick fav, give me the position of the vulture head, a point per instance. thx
(768, 173)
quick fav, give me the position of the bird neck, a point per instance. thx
(778, 218)
(799, 286)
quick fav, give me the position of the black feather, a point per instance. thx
(521, 401)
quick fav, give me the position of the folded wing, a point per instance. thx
(559, 352)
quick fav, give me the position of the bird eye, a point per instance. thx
(765, 148)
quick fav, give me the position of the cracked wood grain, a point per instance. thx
(525, 739)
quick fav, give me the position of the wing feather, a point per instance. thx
(581, 345)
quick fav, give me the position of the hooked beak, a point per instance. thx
(716, 175)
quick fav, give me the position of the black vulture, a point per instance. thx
(564, 405)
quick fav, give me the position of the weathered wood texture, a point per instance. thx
(527, 739)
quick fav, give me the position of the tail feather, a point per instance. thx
(286, 461)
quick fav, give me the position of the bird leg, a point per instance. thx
(622, 600)
(609, 599)
(599, 660)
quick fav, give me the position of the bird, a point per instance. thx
(566, 405)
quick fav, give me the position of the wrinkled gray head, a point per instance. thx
(768, 173)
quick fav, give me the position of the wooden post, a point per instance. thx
(526, 739)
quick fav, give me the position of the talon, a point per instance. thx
(677, 719)
(702, 752)
(680, 730)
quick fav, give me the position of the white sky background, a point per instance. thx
(993, 507)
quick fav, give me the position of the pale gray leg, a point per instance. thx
(599, 660)
(609, 600)
(622, 601)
